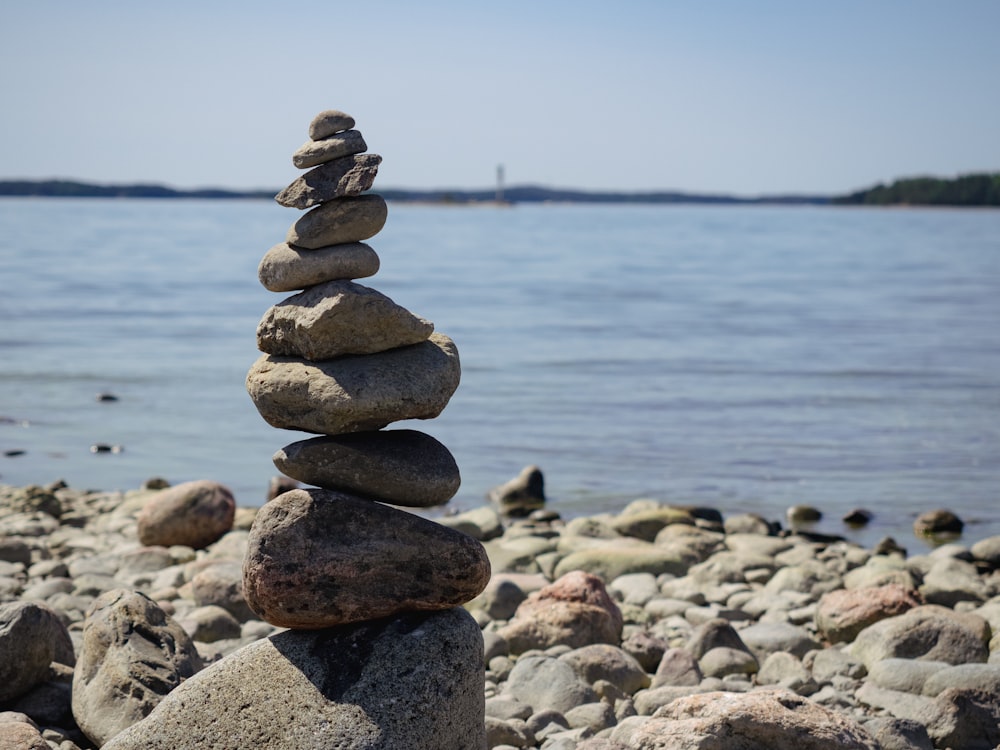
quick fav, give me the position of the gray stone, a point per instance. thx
(132, 654)
(347, 176)
(221, 585)
(715, 633)
(20, 735)
(402, 467)
(899, 734)
(481, 523)
(341, 221)
(765, 638)
(949, 581)
(318, 558)
(614, 558)
(724, 661)
(336, 318)
(521, 495)
(964, 720)
(773, 719)
(194, 514)
(413, 682)
(982, 677)
(604, 661)
(940, 521)
(285, 268)
(328, 122)
(781, 666)
(32, 636)
(907, 675)
(929, 633)
(210, 623)
(677, 668)
(594, 716)
(544, 682)
(346, 142)
(356, 393)
(646, 648)
(987, 550)
(511, 733)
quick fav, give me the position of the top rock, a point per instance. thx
(328, 122)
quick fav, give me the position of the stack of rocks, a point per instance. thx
(379, 652)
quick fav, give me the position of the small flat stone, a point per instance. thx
(328, 122)
(340, 221)
(340, 178)
(318, 558)
(312, 153)
(285, 268)
(337, 318)
(356, 393)
(402, 467)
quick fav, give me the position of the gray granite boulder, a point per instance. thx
(131, 655)
(415, 682)
(328, 122)
(340, 178)
(193, 514)
(285, 268)
(604, 661)
(318, 558)
(545, 682)
(928, 632)
(401, 467)
(358, 392)
(340, 221)
(312, 153)
(335, 318)
(32, 636)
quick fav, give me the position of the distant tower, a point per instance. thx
(499, 198)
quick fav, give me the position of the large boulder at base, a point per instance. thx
(132, 654)
(340, 221)
(761, 720)
(193, 514)
(413, 682)
(574, 610)
(318, 558)
(346, 176)
(402, 467)
(285, 268)
(336, 318)
(312, 153)
(358, 392)
(929, 632)
(844, 613)
(31, 637)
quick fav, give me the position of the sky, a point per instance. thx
(725, 97)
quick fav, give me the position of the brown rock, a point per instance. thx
(521, 495)
(285, 268)
(32, 636)
(356, 393)
(318, 558)
(844, 613)
(402, 467)
(574, 610)
(773, 719)
(340, 178)
(338, 222)
(328, 122)
(332, 147)
(194, 514)
(21, 735)
(937, 522)
(337, 318)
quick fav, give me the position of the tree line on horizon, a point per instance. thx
(982, 189)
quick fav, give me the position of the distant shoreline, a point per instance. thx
(981, 189)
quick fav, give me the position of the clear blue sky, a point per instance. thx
(744, 97)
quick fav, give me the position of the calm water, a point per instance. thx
(743, 357)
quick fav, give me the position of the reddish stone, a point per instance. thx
(844, 613)
(194, 514)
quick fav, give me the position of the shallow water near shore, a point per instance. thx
(746, 358)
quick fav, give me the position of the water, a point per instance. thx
(747, 358)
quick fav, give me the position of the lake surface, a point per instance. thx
(744, 357)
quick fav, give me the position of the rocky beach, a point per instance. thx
(655, 627)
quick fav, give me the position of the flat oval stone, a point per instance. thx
(285, 268)
(340, 221)
(317, 558)
(194, 514)
(356, 393)
(346, 176)
(311, 153)
(336, 318)
(328, 122)
(402, 467)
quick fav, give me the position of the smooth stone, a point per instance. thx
(193, 514)
(774, 719)
(318, 558)
(844, 613)
(939, 521)
(929, 632)
(982, 677)
(950, 581)
(210, 623)
(328, 122)
(32, 636)
(285, 268)
(604, 661)
(723, 661)
(545, 682)
(336, 318)
(987, 550)
(907, 675)
(338, 222)
(341, 178)
(482, 523)
(677, 668)
(521, 495)
(21, 735)
(765, 638)
(412, 682)
(222, 586)
(131, 655)
(401, 467)
(781, 666)
(899, 734)
(345, 143)
(356, 393)
(574, 610)
(646, 524)
(613, 559)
